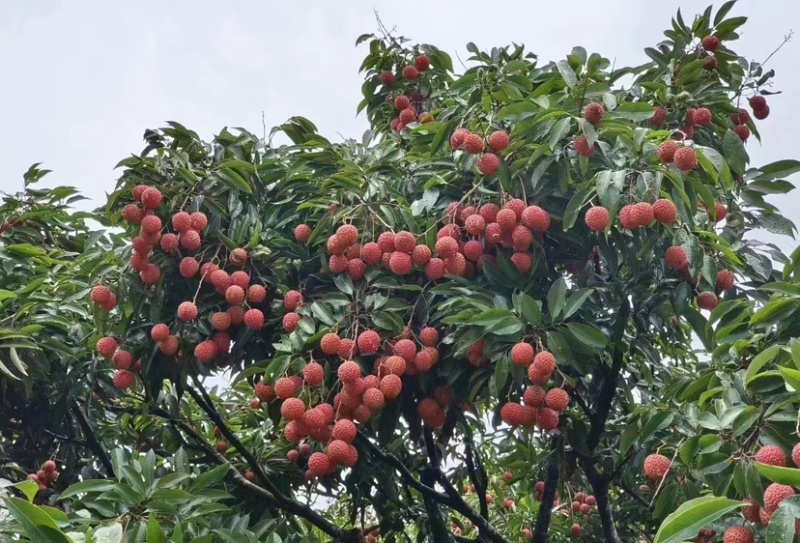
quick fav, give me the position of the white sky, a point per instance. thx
(82, 79)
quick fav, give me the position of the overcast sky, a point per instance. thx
(82, 79)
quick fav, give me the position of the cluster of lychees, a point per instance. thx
(46, 476)
(185, 237)
(474, 144)
(540, 407)
(677, 258)
(408, 106)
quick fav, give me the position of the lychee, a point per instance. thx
(199, 221)
(408, 115)
(132, 213)
(664, 211)
(488, 164)
(401, 102)
(435, 269)
(685, 158)
(187, 311)
(101, 294)
(511, 414)
(319, 463)
(285, 388)
(458, 137)
(150, 225)
(347, 349)
(536, 218)
(543, 366)
(702, 116)
(738, 534)
(422, 63)
(237, 314)
(314, 373)
(770, 454)
(181, 221)
(169, 243)
(758, 102)
(594, 113)
(151, 274)
(557, 399)
(522, 354)
(707, 300)
(659, 116)
(151, 197)
(775, 494)
(238, 257)
(750, 509)
(159, 332)
(534, 396)
(498, 140)
(123, 379)
(190, 240)
(473, 143)
(666, 151)
(290, 321)
(642, 214)
(761, 113)
(169, 346)
(710, 43)
(719, 213)
(400, 263)
(373, 398)
(292, 300)
(235, 295)
(742, 131)
(122, 360)
(410, 73)
(547, 419)
(656, 466)
(205, 351)
(676, 257)
(597, 218)
(582, 146)
(264, 392)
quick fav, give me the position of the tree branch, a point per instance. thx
(540, 531)
(600, 490)
(91, 440)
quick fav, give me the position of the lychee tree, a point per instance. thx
(526, 292)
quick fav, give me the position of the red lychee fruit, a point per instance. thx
(139, 261)
(719, 213)
(522, 354)
(187, 311)
(506, 219)
(151, 274)
(473, 143)
(489, 212)
(742, 131)
(205, 351)
(265, 392)
(285, 388)
(302, 233)
(349, 372)
(159, 332)
(534, 396)
(498, 140)
(314, 373)
(220, 321)
(758, 102)
(771, 455)
(290, 321)
(543, 366)
(547, 419)
(169, 243)
(391, 385)
(710, 64)
(410, 73)
(406, 349)
(123, 379)
(597, 218)
(656, 466)
(408, 115)
(169, 346)
(536, 218)
(256, 294)
(594, 113)
(642, 214)
(101, 294)
(685, 158)
(237, 314)
(137, 192)
(707, 300)
(488, 164)
(575, 530)
(666, 151)
(122, 360)
(710, 43)
(151, 197)
(356, 268)
(188, 267)
(373, 398)
(422, 63)
(318, 463)
(132, 213)
(400, 263)
(404, 242)
(750, 509)
(557, 399)
(330, 343)
(446, 247)
(344, 430)
(737, 534)
(421, 255)
(458, 137)
(150, 225)
(664, 211)
(293, 409)
(401, 102)
(190, 240)
(761, 113)
(775, 494)
(429, 336)
(676, 257)
(348, 349)
(435, 269)
(511, 414)
(238, 257)
(455, 265)
(521, 238)
(659, 116)
(702, 116)
(235, 295)
(199, 221)
(240, 279)
(387, 78)
(582, 146)
(338, 263)
(371, 253)
(181, 221)
(292, 300)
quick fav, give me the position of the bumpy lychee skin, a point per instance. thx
(498, 140)
(187, 311)
(410, 73)
(750, 510)
(719, 213)
(189, 267)
(290, 321)
(330, 343)
(458, 137)
(123, 379)
(349, 372)
(758, 102)
(205, 351)
(400, 263)
(775, 494)
(796, 455)
(534, 396)
(446, 247)
(557, 399)
(742, 131)
(685, 158)
(151, 197)
(401, 102)
(488, 164)
(391, 385)
(159, 332)
(422, 63)
(107, 346)
(582, 146)
(122, 360)
(473, 144)
(150, 225)
(429, 336)
(707, 301)
(408, 115)
(664, 211)
(190, 240)
(575, 530)
(738, 534)
(199, 221)
(536, 218)
(594, 113)
(101, 294)
(725, 279)
(666, 151)
(676, 257)
(702, 116)
(522, 354)
(169, 243)
(597, 218)
(771, 455)
(292, 300)
(659, 116)
(761, 113)
(547, 419)
(132, 213)
(710, 43)
(656, 466)
(642, 214)
(511, 414)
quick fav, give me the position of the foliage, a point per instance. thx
(651, 359)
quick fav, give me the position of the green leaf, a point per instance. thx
(609, 187)
(760, 360)
(109, 534)
(570, 78)
(781, 527)
(560, 130)
(531, 311)
(154, 532)
(574, 206)
(555, 298)
(635, 111)
(38, 525)
(575, 301)
(779, 169)
(734, 153)
(745, 420)
(90, 485)
(777, 474)
(344, 283)
(29, 488)
(692, 516)
(588, 334)
(792, 377)
(501, 372)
